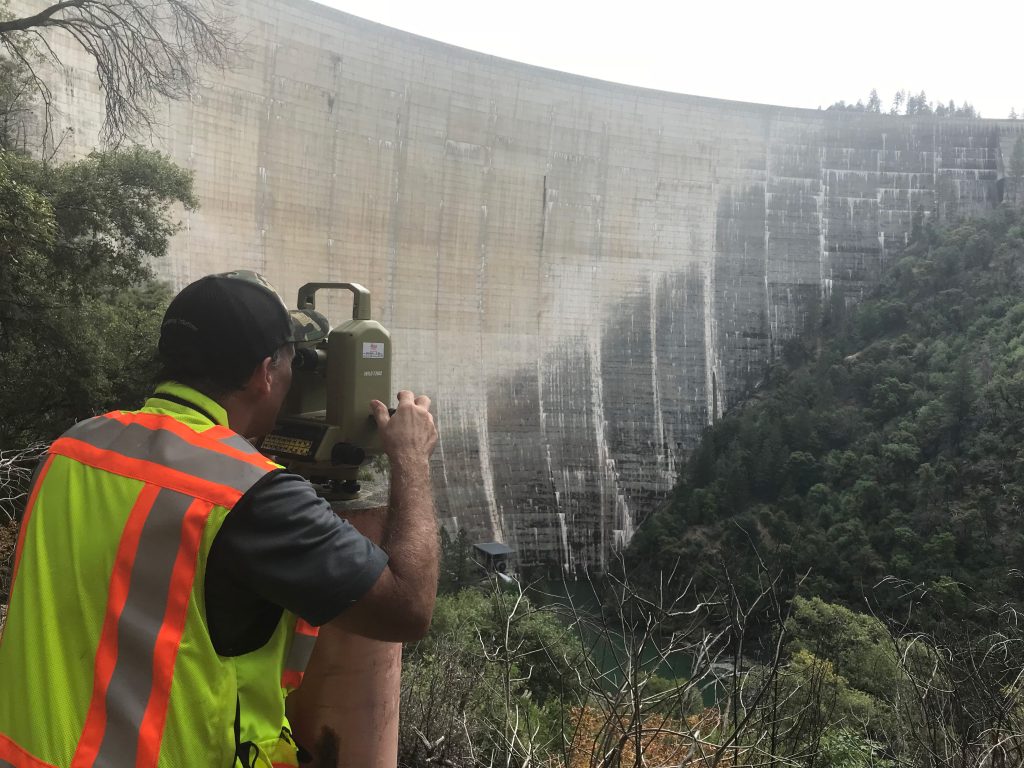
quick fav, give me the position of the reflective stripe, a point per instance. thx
(301, 650)
(106, 652)
(169, 639)
(164, 447)
(152, 582)
(146, 471)
(142, 630)
(236, 441)
(299, 654)
(13, 756)
(217, 438)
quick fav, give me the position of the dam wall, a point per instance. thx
(580, 274)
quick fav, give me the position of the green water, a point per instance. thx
(606, 642)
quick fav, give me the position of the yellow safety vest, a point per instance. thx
(105, 659)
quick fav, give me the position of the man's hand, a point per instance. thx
(408, 435)
(399, 606)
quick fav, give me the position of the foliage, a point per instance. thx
(17, 106)
(76, 289)
(546, 680)
(834, 691)
(858, 645)
(845, 748)
(649, 658)
(481, 679)
(891, 446)
(908, 104)
(844, 688)
(458, 568)
(79, 308)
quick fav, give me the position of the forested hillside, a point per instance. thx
(886, 443)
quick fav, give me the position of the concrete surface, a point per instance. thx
(580, 274)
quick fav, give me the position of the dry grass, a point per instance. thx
(663, 742)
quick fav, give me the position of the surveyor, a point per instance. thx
(169, 578)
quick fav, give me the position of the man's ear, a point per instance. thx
(260, 380)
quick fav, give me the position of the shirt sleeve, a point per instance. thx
(288, 546)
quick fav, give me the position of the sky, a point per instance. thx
(794, 53)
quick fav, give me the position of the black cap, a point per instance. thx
(224, 326)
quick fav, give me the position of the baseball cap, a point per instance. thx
(224, 325)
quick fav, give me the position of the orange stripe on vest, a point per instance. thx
(106, 653)
(146, 471)
(291, 679)
(18, 757)
(208, 440)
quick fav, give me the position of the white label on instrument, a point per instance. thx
(373, 349)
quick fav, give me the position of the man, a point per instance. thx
(168, 577)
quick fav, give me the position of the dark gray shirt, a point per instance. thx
(282, 546)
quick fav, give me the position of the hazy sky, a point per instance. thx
(799, 53)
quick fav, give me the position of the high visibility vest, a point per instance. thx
(105, 659)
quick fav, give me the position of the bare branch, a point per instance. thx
(142, 50)
(16, 469)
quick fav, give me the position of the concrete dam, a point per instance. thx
(580, 274)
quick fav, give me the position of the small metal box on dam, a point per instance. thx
(495, 555)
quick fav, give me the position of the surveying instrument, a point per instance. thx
(325, 431)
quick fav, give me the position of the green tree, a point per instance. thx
(457, 566)
(79, 308)
(486, 678)
(918, 105)
(898, 100)
(889, 448)
(858, 646)
(874, 103)
(842, 747)
(910, 104)
(79, 311)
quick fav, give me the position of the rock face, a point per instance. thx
(581, 274)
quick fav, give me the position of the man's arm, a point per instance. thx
(400, 604)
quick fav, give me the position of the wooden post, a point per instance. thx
(346, 711)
